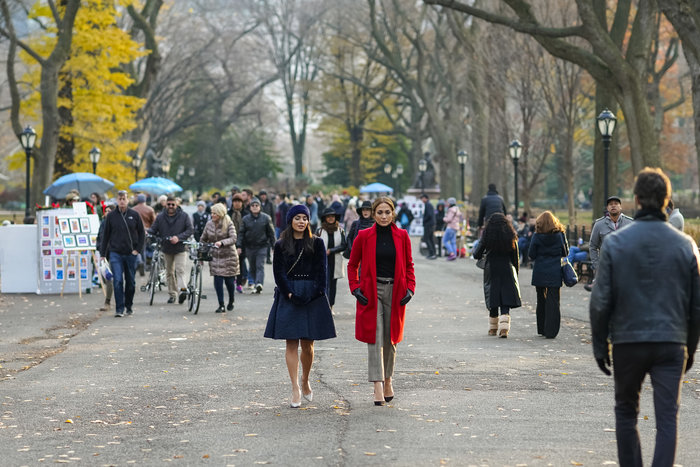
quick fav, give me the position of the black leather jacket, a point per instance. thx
(647, 287)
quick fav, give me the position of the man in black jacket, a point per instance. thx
(123, 237)
(256, 235)
(174, 225)
(646, 303)
(268, 207)
(428, 225)
(490, 204)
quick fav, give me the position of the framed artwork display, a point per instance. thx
(64, 226)
(69, 241)
(82, 240)
(84, 225)
(74, 225)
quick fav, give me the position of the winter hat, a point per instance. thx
(451, 201)
(254, 201)
(328, 212)
(199, 203)
(141, 198)
(364, 205)
(298, 209)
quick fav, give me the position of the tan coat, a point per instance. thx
(225, 258)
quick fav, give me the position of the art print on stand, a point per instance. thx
(69, 241)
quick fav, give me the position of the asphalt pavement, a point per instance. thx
(79, 386)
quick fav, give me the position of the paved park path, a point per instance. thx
(163, 386)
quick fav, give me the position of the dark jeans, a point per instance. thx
(664, 362)
(243, 276)
(494, 312)
(429, 239)
(256, 263)
(230, 287)
(123, 268)
(548, 315)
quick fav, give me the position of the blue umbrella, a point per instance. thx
(376, 188)
(156, 186)
(84, 182)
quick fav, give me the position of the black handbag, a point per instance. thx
(568, 274)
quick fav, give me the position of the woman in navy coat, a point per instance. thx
(547, 247)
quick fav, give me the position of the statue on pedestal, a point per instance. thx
(426, 179)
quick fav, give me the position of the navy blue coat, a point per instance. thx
(547, 250)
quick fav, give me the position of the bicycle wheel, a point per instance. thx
(190, 287)
(153, 282)
(198, 288)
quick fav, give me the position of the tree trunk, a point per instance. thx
(65, 157)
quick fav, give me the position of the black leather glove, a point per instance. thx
(406, 298)
(604, 364)
(360, 296)
(689, 362)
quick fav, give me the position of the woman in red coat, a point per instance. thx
(380, 273)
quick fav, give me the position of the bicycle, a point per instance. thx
(199, 252)
(157, 276)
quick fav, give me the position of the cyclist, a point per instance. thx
(224, 263)
(175, 225)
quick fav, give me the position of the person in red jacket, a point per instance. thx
(382, 289)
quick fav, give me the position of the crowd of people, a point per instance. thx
(645, 309)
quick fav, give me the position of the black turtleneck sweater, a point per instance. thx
(386, 252)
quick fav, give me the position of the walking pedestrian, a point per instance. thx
(452, 219)
(365, 221)
(547, 247)
(200, 219)
(428, 226)
(300, 313)
(237, 217)
(490, 204)
(351, 214)
(174, 225)
(613, 220)
(383, 252)
(108, 284)
(123, 238)
(646, 305)
(333, 237)
(405, 216)
(499, 243)
(224, 258)
(255, 236)
(675, 218)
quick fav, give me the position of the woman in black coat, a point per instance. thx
(499, 244)
(547, 247)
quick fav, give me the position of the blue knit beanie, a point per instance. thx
(297, 209)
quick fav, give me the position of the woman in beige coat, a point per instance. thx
(224, 263)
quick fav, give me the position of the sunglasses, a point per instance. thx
(170, 204)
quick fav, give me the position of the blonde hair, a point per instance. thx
(220, 210)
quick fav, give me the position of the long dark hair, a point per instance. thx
(287, 239)
(499, 235)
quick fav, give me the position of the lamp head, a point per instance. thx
(95, 154)
(515, 149)
(27, 138)
(606, 122)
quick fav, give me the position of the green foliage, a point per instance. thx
(244, 157)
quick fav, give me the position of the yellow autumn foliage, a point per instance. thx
(103, 115)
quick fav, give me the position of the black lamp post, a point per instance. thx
(180, 172)
(399, 171)
(515, 149)
(95, 154)
(136, 163)
(387, 171)
(462, 159)
(422, 167)
(27, 138)
(606, 125)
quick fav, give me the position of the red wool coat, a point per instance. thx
(363, 254)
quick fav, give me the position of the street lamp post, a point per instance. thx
(95, 154)
(27, 138)
(180, 171)
(462, 159)
(515, 149)
(136, 163)
(606, 126)
(387, 171)
(422, 167)
(399, 172)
